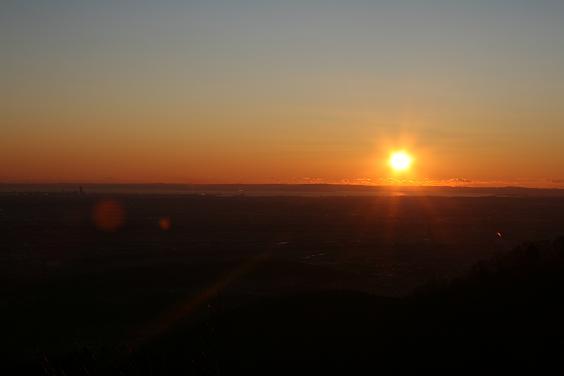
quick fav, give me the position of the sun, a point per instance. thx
(400, 161)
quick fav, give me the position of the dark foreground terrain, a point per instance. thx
(191, 284)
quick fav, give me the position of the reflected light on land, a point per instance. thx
(187, 307)
(108, 215)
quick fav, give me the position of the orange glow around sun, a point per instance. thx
(400, 161)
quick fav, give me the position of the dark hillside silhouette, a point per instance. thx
(271, 284)
(506, 314)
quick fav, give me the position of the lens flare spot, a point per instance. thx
(108, 215)
(165, 223)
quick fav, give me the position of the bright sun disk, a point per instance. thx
(400, 161)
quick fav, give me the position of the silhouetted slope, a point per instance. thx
(506, 314)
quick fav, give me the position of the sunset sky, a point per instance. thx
(282, 91)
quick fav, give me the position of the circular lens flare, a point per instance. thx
(108, 215)
(165, 223)
(400, 161)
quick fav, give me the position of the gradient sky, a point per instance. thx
(281, 91)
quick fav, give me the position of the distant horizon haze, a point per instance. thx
(305, 189)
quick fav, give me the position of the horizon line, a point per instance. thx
(286, 184)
